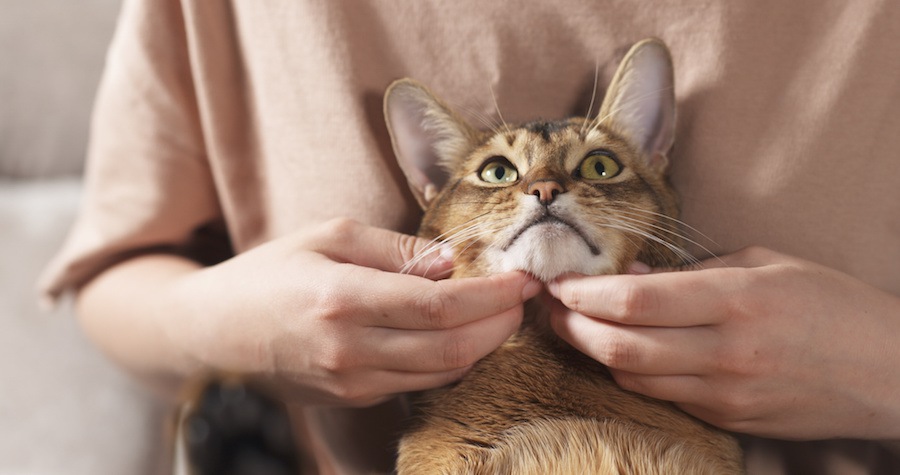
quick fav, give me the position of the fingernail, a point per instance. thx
(532, 288)
(441, 260)
(446, 252)
(639, 268)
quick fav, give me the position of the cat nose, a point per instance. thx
(546, 190)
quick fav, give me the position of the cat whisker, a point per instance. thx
(675, 220)
(637, 219)
(474, 202)
(490, 245)
(463, 240)
(635, 213)
(499, 114)
(470, 230)
(437, 242)
(681, 253)
(593, 97)
(472, 241)
(487, 121)
(637, 244)
(472, 235)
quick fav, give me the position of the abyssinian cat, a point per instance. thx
(574, 195)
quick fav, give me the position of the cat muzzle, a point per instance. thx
(548, 218)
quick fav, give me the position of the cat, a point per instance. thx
(230, 424)
(550, 197)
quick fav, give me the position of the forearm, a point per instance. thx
(131, 311)
(295, 310)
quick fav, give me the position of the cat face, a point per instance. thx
(575, 195)
(548, 198)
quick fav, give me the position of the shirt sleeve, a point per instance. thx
(148, 184)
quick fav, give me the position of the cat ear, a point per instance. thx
(428, 137)
(640, 101)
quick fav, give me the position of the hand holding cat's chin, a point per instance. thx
(757, 342)
(327, 313)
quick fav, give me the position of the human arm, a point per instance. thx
(322, 312)
(758, 343)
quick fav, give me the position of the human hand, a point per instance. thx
(325, 313)
(758, 343)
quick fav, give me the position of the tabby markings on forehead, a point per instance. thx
(532, 151)
(546, 129)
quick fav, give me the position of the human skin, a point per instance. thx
(756, 342)
(323, 313)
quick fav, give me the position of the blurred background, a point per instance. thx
(64, 409)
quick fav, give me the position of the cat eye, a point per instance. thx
(599, 165)
(498, 170)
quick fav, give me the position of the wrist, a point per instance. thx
(881, 392)
(219, 326)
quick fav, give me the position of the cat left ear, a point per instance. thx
(427, 136)
(640, 101)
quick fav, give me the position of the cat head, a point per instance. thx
(574, 195)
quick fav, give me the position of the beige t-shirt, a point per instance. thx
(258, 118)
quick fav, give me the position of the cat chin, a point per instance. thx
(548, 254)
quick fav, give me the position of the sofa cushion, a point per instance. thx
(65, 408)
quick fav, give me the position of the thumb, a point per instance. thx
(390, 251)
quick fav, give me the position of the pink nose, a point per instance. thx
(546, 190)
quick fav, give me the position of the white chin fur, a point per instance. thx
(548, 251)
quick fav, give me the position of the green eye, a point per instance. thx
(599, 165)
(499, 170)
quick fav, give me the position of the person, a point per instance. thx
(243, 212)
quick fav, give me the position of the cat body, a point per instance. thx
(538, 406)
(550, 197)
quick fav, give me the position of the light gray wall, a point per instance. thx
(51, 57)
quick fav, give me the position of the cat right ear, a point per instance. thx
(428, 138)
(640, 101)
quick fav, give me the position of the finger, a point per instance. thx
(405, 382)
(356, 243)
(675, 299)
(399, 382)
(679, 389)
(413, 303)
(748, 257)
(426, 351)
(639, 268)
(375, 387)
(644, 350)
(696, 396)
